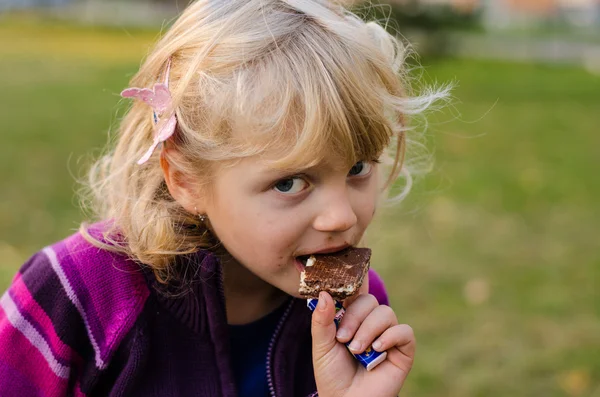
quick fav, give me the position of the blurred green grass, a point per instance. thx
(493, 259)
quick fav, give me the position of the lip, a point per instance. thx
(299, 265)
(326, 250)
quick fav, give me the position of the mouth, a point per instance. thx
(301, 261)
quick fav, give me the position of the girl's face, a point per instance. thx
(265, 219)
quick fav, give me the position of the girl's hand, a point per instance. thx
(366, 323)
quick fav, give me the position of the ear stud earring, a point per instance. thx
(202, 217)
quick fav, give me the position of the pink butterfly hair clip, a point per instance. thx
(159, 99)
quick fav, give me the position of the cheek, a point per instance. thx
(276, 232)
(366, 204)
(254, 232)
(366, 211)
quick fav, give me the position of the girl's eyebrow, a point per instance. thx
(323, 166)
(273, 174)
(331, 162)
(278, 173)
(291, 171)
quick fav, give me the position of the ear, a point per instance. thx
(181, 186)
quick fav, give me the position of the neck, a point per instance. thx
(247, 297)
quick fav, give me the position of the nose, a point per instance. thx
(336, 213)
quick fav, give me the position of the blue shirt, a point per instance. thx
(249, 346)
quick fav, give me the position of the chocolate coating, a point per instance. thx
(341, 274)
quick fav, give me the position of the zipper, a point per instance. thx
(221, 288)
(272, 345)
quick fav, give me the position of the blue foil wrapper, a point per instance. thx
(369, 358)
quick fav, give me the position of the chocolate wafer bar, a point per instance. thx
(341, 274)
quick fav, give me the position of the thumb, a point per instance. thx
(323, 328)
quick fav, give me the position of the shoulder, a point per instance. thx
(377, 288)
(78, 286)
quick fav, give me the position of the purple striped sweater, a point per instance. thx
(81, 321)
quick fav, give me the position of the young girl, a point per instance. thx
(255, 137)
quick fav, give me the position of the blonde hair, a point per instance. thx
(305, 76)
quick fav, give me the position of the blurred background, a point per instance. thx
(494, 257)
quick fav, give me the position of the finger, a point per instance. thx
(374, 325)
(400, 343)
(355, 315)
(364, 289)
(323, 327)
(401, 336)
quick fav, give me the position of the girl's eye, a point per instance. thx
(361, 168)
(290, 185)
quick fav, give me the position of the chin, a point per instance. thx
(292, 290)
(289, 283)
(296, 294)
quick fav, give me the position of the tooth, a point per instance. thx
(310, 261)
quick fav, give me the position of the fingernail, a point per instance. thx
(377, 345)
(354, 345)
(322, 304)
(343, 333)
